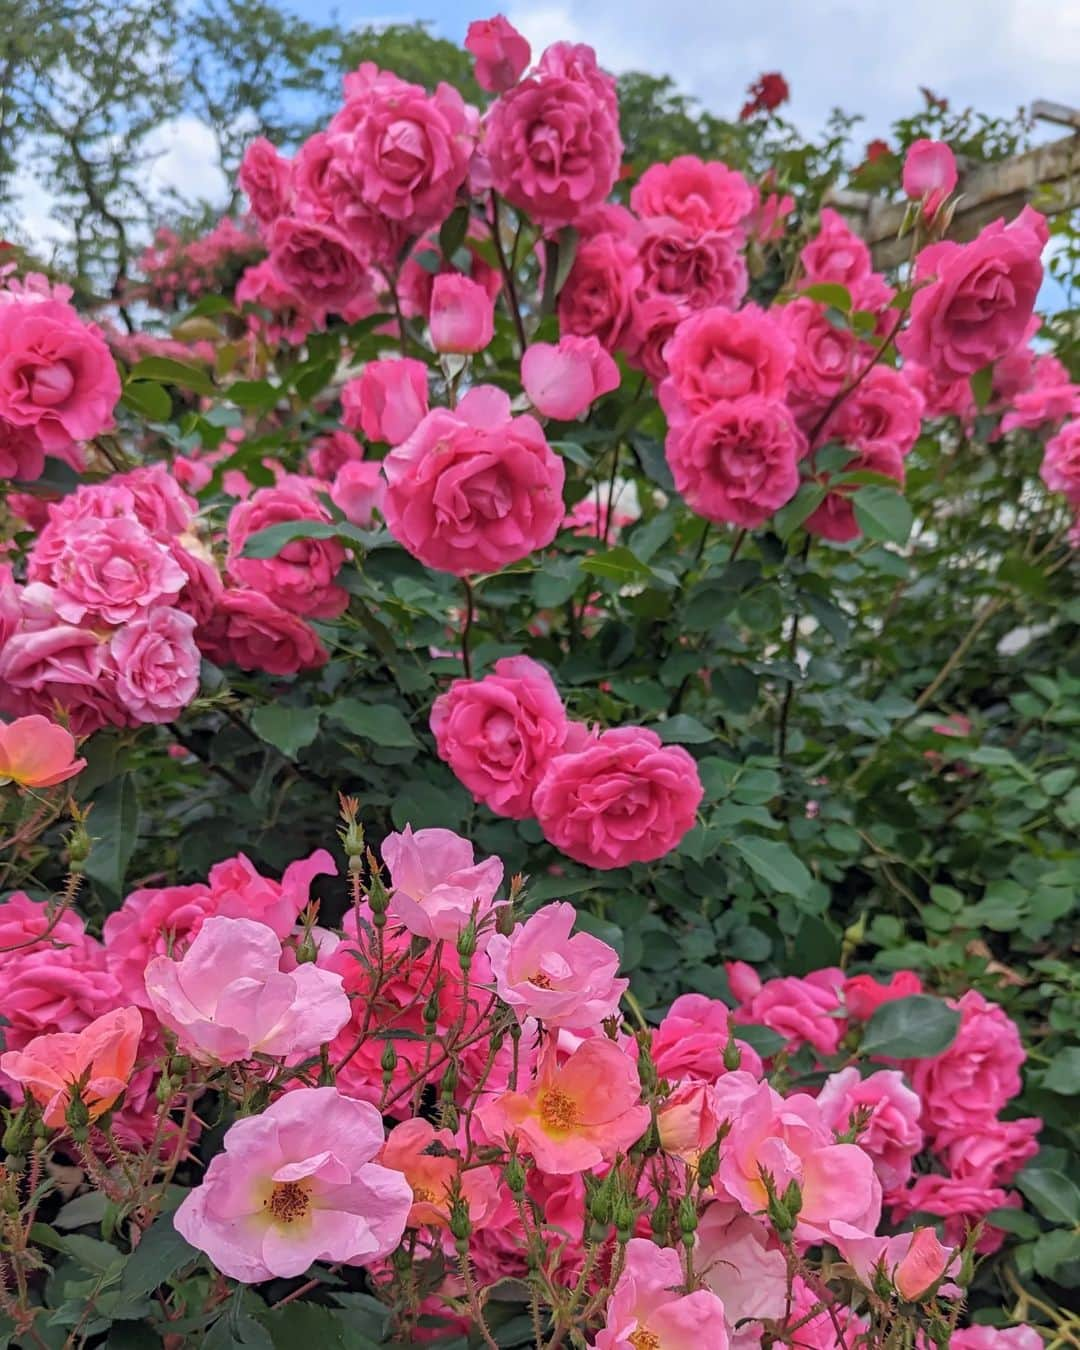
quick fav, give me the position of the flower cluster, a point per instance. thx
(177, 270)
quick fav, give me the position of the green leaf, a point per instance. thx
(1053, 1194)
(268, 543)
(762, 1039)
(148, 399)
(301, 1326)
(982, 386)
(619, 564)
(286, 729)
(883, 513)
(381, 723)
(159, 1255)
(259, 394)
(805, 502)
(169, 371)
(684, 730)
(829, 293)
(114, 827)
(911, 1028)
(568, 245)
(1017, 1221)
(1063, 1075)
(453, 231)
(775, 864)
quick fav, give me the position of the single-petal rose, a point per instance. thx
(430, 1160)
(436, 885)
(36, 753)
(564, 380)
(647, 1309)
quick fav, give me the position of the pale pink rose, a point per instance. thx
(502, 54)
(737, 463)
(358, 491)
(576, 1115)
(718, 356)
(553, 140)
(892, 1136)
(688, 1120)
(563, 980)
(436, 885)
(327, 454)
(647, 1308)
(734, 1256)
(387, 400)
(89, 502)
(317, 263)
(967, 1085)
(995, 1151)
(564, 380)
(836, 253)
(266, 179)
(691, 1040)
(929, 173)
(278, 1197)
(461, 319)
(996, 1338)
(598, 298)
(702, 195)
(43, 666)
(157, 665)
(1060, 468)
(977, 306)
(822, 360)
(474, 489)
(500, 733)
(863, 995)
(250, 631)
(800, 1008)
(239, 891)
(300, 577)
(695, 271)
(589, 520)
(623, 798)
(960, 1202)
(912, 1262)
(113, 570)
(56, 374)
(430, 1161)
(790, 1139)
(99, 1059)
(226, 1000)
(835, 517)
(36, 753)
(28, 925)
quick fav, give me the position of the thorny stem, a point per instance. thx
(507, 275)
(470, 615)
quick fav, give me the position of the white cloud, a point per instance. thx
(187, 161)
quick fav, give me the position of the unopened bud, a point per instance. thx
(77, 1116)
(450, 1080)
(378, 896)
(401, 1260)
(79, 845)
(460, 1223)
(164, 1090)
(688, 1219)
(466, 945)
(514, 1175)
(18, 1133)
(432, 1012)
(708, 1164)
(449, 1116)
(504, 920)
(732, 1055)
(660, 1218)
(306, 951)
(388, 1060)
(623, 1217)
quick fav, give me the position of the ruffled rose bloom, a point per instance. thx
(242, 892)
(883, 414)
(688, 1120)
(563, 980)
(575, 1115)
(21, 453)
(737, 463)
(929, 173)
(317, 263)
(387, 400)
(42, 667)
(717, 356)
(113, 570)
(1060, 469)
(250, 631)
(836, 253)
(695, 271)
(48, 989)
(598, 298)
(996, 1151)
(436, 886)
(266, 178)
(977, 306)
(430, 1161)
(863, 995)
(99, 1059)
(157, 665)
(646, 1308)
(474, 489)
(275, 1200)
(799, 1008)
(461, 319)
(565, 380)
(553, 140)
(300, 577)
(358, 491)
(226, 999)
(502, 54)
(691, 1040)
(329, 453)
(624, 797)
(36, 753)
(961, 1202)
(702, 195)
(500, 733)
(655, 320)
(892, 1135)
(27, 925)
(822, 360)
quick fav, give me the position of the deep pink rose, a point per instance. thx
(977, 307)
(968, 1084)
(500, 733)
(961, 1202)
(863, 995)
(41, 667)
(358, 491)
(502, 54)
(161, 505)
(22, 920)
(835, 517)
(250, 631)
(802, 1009)
(266, 178)
(50, 989)
(691, 1040)
(598, 297)
(1060, 469)
(564, 380)
(892, 1135)
(822, 359)
(240, 891)
(157, 664)
(695, 271)
(317, 263)
(883, 413)
(702, 195)
(738, 462)
(21, 453)
(942, 398)
(328, 453)
(290, 318)
(553, 140)
(152, 922)
(113, 570)
(474, 489)
(717, 355)
(299, 578)
(836, 253)
(994, 1152)
(56, 374)
(624, 798)
(996, 1338)
(461, 317)
(654, 322)
(929, 173)
(387, 399)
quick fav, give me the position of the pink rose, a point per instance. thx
(290, 319)
(502, 54)
(655, 319)
(387, 400)
(695, 271)
(563, 381)
(737, 462)
(461, 317)
(358, 491)
(36, 753)
(703, 196)
(328, 453)
(883, 413)
(266, 178)
(967, 1085)
(553, 140)
(542, 971)
(835, 517)
(21, 453)
(737, 1261)
(913, 1263)
(474, 489)
(647, 1308)
(929, 173)
(691, 1041)
(500, 733)
(22, 920)
(977, 307)
(241, 892)
(717, 355)
(863, 995)
(152, 922)
(300, 577)
(800, 1009)
(56, 374)
(892, 1136)
(994, 1152)
(61, 664)
(436, 886)
(961, 1202)
(49, 989)
(1060, 469)
(157, 664)
(822, 363)
(996, 1338)
(113, 570)
(428, 1159)
(623, 798)
(250, 631)
(836, 253)
(317, 263)
(597, 299)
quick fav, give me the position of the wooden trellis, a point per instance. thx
(1049, 176)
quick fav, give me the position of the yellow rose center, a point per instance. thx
(644, 1339)
(540, 980)
(288, 1201)
(557, 1110)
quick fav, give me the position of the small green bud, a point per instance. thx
(514, 1175)
(623, 1217)
(688, 1218)
(466, 944)
(732, 1055)
(18, 1133)
(660, 1218)
(388, 1060)
(77, 1116)
(460, 1223)
(504, 920)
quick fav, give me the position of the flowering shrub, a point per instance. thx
(679, 609)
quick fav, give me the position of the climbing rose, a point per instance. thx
(387, 399)
(564, 380)
(436, 886)
(501, 53)
(462, 317)
(929, 173)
